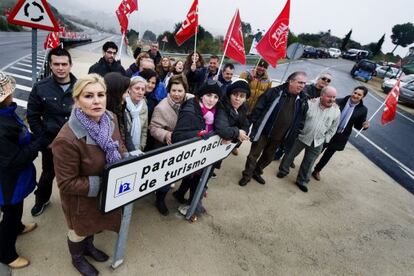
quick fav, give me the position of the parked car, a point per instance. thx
(322, 52)
(407, 93)
(356, 54)
(363, 69)
(310, 52)
(334, 52)
(387, 71)
(388, 84)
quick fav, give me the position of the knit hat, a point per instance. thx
(211, 86)
(263, 63)
(239, 85)
(7, 86)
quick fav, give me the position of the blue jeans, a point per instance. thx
(305, 170)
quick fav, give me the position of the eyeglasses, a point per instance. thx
(326, 79)
(111, 52)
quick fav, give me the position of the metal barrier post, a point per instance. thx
(120, 245)
(199, 192)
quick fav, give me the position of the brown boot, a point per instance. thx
(20, 262)
(77, 251)
(93, 252)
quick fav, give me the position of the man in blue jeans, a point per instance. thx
(321, 123)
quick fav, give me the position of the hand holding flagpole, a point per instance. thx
(390, 109)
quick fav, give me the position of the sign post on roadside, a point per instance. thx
(128, 180)
(35, 14)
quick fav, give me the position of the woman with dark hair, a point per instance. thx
(236, 109)
(163, 68)
(117, 87)
(176, 69)
(194, 70)
(88, 142)
(163, 123)
(17, 173)
(199, 117)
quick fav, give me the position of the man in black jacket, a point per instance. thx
(48, 109)
(278, 115)
(107, 63)
(154, 54)
(353, 114)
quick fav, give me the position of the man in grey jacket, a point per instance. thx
(322, 120)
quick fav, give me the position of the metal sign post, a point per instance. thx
(34, 55)
(128, 180)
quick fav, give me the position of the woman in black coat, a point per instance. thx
(198, 117)
(17, 173)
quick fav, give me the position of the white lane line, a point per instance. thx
(18, 76)
(12, 63)
(21, 69)
(23, 87)
(401, 165)
(21, 103)
(27, 65)
(399, 113)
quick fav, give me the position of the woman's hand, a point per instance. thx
(243, 135)
(193, 67)
(168, 138)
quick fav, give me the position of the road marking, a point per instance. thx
(27, 65)
(21, 103)
(401, 165)
(21, 69)
(12, 63)
(23, 87)
(18, 76)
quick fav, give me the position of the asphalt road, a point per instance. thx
(389, 146)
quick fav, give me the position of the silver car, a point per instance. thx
(407, 93)
(387, 71)
(388, 84)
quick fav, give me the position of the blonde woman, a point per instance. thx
(84, 146)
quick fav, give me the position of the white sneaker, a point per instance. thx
(183, 209)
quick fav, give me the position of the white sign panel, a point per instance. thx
(132, 179)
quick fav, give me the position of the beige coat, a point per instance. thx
(76, 158)
(165, 118)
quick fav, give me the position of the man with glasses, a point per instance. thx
(107, 63)
(278, 115)
(313, 90)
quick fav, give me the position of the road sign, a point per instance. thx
(35, 14)
(295, 51)
(129, 180)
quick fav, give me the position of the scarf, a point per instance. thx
(208, 115)
(101, 133)
(134, 110)
(346, 115)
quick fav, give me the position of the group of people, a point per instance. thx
(81, 125)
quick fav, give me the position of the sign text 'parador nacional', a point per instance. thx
(131, 179)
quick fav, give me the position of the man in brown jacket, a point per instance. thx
(259, 82)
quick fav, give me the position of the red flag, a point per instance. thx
(272, 46)
(391, 101)
(234, 38)
(189, 26)
(129, 6)
(51, 41)
(121, 13)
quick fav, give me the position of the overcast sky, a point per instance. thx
(369, 19)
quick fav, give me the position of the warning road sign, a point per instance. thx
(33, 13)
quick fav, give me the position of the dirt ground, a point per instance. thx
(355, 221)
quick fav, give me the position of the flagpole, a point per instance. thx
(373, 115)
(228, 41)
(195, 37)
(120, 47)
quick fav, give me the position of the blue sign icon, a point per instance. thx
(124, 185)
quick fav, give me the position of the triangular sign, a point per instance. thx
(35, 14)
